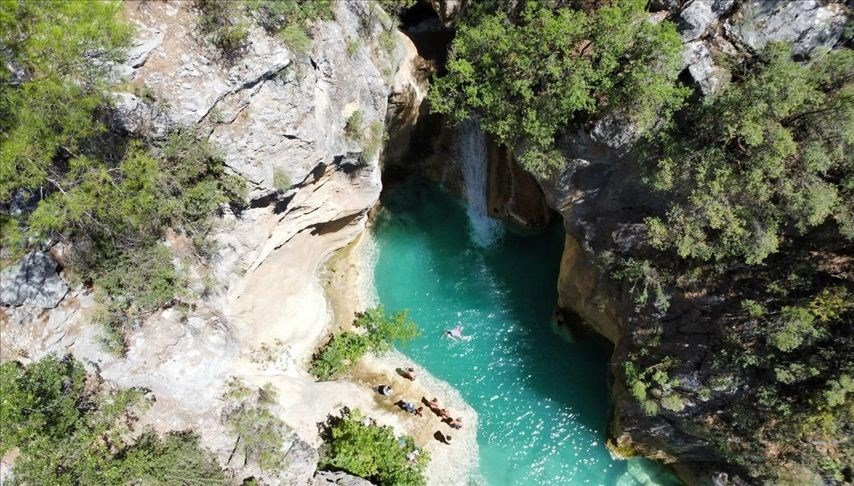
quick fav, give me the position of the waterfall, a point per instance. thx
(471, 155)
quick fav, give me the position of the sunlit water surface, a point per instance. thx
(542, 402)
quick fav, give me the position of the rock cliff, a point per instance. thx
(257, 309)
(602, 201)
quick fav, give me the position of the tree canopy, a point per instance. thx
(70, 430)
(771, 155)
(527, 76)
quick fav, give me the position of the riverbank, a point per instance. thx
(347, 277)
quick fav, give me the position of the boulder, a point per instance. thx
(806, 24)
(449, 11)
(34, 281)
(326, 478)
(698, 15)
(702, 68)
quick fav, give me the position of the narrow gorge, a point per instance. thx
(345, 189)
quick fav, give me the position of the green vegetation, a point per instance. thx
(782, 134)
(529, 75)
(296, 38)
(353, 127)
(758, 186)
(376, 332)
(225, 23)
(70, 430)
(56, 61)
(259, 434)
(395, 7)
(275, 15)
(360, 447)
(645, 282)
(110, 198)
(353, 46)
(653, 387)
(281, 181)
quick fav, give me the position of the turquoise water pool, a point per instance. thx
(542, 402)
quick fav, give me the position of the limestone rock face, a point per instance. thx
(711, 27)
(329, 478)
(274, 115)
(807, 24)
(32, 281)
(603, 204)
(512, 194)
(449, 11)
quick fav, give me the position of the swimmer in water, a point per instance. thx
(456, 334)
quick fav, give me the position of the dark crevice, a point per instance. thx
(431, 38)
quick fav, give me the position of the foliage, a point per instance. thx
(281, 181)
(345, 349)
(652, 387)
(353, 46)
(109, 197)
(645, 282)
(387, 41)
(338, 355)
(275, 15)
(780, 134)
(115, 216)
(57, 57)
(258, 433)
(356, 445)
(222, 23)
(144, 279)
(71, 431)
(396, 7)
(528, 76)
(225, 23)
(354, 125)
(296, 38)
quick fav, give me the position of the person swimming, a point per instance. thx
(456, 334)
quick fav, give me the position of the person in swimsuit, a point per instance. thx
(456, 334)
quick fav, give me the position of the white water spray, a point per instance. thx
(471, 155)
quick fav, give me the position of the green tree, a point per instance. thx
(57, 57)
(69, 430)
(378, 332)
(530, 75)
(370, 451)
(769, 156)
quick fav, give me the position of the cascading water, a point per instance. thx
(471, 155)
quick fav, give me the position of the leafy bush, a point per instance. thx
(275, 15)
(296, 38)
(339, 355)
(645, 282)
(353, 46)
(354, 125)
(258, 433)
(373, 452)
(71, 431)
(222, 23)
(139, 281)
(281, 181)
(527, 75)
(780, 134)
(65, 50)
(345, 349)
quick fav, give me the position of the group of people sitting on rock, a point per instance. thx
(443, 413)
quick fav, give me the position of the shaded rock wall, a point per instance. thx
(269, 111)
